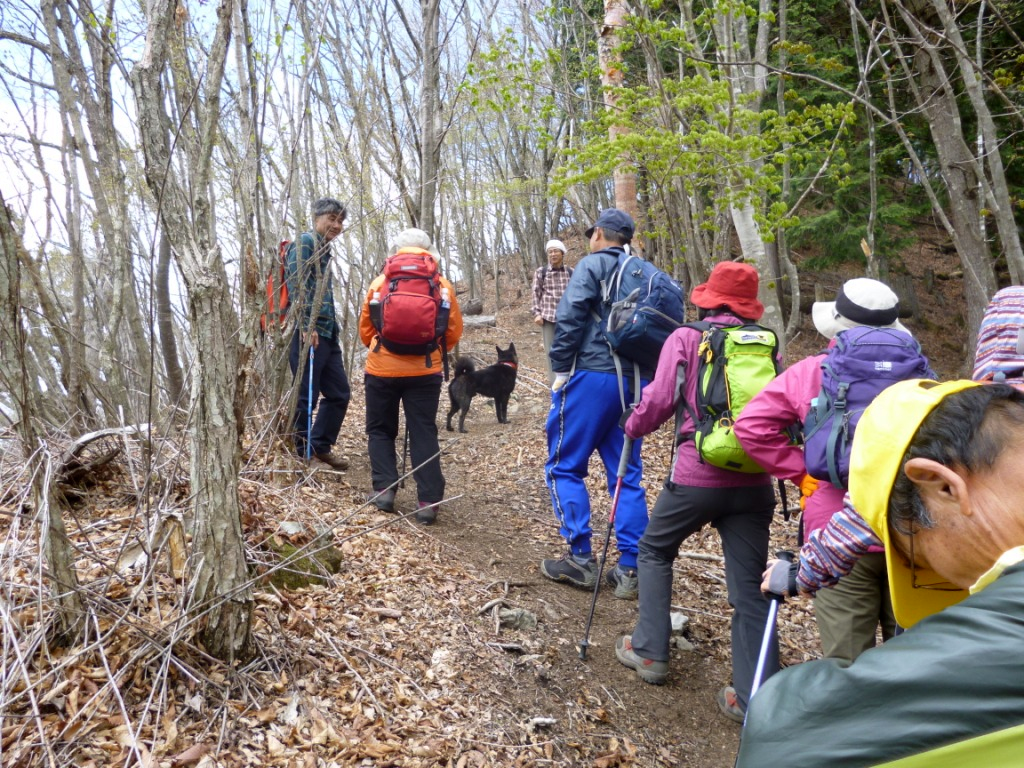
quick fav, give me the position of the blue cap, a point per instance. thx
(614, 220)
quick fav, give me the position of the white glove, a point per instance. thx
(560, 379)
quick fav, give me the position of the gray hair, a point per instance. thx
(327, 205)
(412, 238)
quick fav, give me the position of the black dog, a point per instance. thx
(495, 381)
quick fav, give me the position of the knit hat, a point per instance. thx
(731, 284)
(1001, 338)
(884, 433)
(861, 301)
(555, 244)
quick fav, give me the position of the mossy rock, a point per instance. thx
(304, 570)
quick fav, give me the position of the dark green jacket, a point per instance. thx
(308, 263)
(948, 692)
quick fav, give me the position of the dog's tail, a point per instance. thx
(463, 366)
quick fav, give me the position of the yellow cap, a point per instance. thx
(883, 435)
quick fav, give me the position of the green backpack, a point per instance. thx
(735, 363)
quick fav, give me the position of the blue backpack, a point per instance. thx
(644, 305)
(863, 362)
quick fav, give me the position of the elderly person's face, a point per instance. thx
(329, 225)
(556, 257)
(976, 515)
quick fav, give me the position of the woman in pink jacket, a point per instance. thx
(738, 505)
(849, 612)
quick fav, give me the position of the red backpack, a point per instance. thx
(277, 291)
(410, 311)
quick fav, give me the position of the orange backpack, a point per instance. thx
(277, 290)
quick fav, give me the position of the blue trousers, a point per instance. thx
(584, 418)
(330, 381)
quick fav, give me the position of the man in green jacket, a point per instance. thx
(936, 472)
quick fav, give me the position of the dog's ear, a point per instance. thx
(498, 349)
(512, 346)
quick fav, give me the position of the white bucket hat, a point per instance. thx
(861, 301)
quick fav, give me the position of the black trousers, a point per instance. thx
(330, 388)
(419, 396)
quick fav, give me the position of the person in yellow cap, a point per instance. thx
(935, 471)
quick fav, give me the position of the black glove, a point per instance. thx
(782, 578)
(625, 416)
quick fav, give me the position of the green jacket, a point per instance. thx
(948, 692)
(310, 258)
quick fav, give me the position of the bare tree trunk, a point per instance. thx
(222, 595)
(430, 117)
(612, 78)
(997, 198)
(16, 379)
(165, 322)
(937, 101)
(749, 82)
(85, 90)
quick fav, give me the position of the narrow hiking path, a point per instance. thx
(499, 525)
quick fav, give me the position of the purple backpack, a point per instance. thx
(863, 362)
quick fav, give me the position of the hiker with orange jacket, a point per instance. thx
(311, 287)
(399, 373)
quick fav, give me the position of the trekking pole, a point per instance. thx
(309, 408)
(769, 627)
(785, 501)
(405, 453)
(627, 449)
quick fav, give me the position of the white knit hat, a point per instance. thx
(555, 244)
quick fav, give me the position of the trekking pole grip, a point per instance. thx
(789, 557)
(627, 451)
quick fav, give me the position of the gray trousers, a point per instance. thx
(548, 334)
(741, 517)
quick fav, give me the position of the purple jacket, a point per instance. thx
(658, 405)
(761, 429)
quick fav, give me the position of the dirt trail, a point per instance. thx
(500, 525)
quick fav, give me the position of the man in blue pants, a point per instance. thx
(586, 406)
(308, 273)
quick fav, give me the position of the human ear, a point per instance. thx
(938, 484)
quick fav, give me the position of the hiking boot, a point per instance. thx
(653, 672)
(625, 582)
(383, 500)
(730, 705)
(334, 462)
(571, 570)
(426, 512)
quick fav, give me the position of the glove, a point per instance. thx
(560, 379)
(625, 416)
(807, 486)
(780, 577)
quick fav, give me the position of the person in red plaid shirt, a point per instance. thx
(549, 284)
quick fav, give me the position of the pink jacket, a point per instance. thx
(678, 365)
(761, 429)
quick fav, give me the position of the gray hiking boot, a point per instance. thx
(570, 569)
(383, 500)
(653, 672)
(426, 512)
(625, 582)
